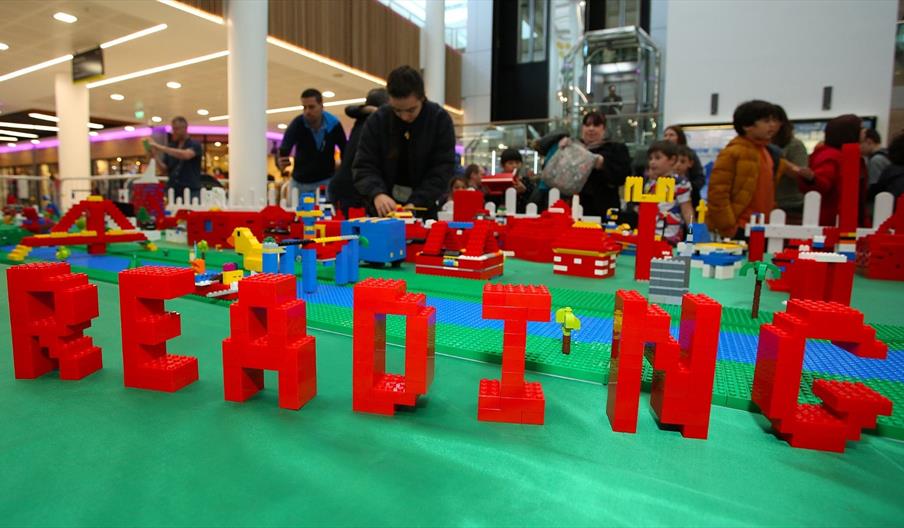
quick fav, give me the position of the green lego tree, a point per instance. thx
(203, 248)
(143, 217)
(569, 322)
(760, 269)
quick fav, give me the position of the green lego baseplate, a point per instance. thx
(588, 361)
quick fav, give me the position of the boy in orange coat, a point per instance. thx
(743, 178)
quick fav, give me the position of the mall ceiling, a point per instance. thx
(179, 69)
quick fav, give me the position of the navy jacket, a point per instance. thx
(313, 162)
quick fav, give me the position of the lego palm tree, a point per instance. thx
(760, 269)
(569, 322)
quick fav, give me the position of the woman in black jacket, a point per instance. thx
(600, 193)
(342, 188)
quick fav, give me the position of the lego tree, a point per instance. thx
(760, 269)
(569, 322)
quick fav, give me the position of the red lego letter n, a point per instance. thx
(49, 310)
(682, 370)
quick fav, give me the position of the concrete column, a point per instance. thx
(74, 149)
(434, 63)
(246, 29)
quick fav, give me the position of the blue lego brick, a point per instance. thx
(385, 238)
(461, 225)
(720, 259)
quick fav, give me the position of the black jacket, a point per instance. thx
(891, 180)
(313, 164)
(601, 190)
(431, 154)
(342, 187)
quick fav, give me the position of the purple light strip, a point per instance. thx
(113, 135)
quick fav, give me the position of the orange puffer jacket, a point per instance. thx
(732, 184)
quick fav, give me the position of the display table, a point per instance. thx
(95, 453)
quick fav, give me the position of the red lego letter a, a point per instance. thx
(682, 370)
(511, 399)
(147, 326)
(373, 390)
(847, 407)
(269, 332)
(49, 310)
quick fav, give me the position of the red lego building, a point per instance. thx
(585, 250)
(458, 251)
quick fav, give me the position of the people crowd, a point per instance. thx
(401, 155)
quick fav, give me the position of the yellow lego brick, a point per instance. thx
(232, 276)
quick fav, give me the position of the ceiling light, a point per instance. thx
(7, 138)
(43, 117)
(55, 119)
(329, 93)
(65, 17)
(18, 134)
(193, 11)
(218, 118)
(282, 126)
(203, 112)
(157, 69)
(118, 159)
(156, 119)
(324, 60)
(174, 85)
(216, 158)
(133, 36)
(36, 67)
(217, 144)
(35, 142)
(297, 108)
(23, 126)
(117, 97)
(10, 144)
(4, 46)
(92, 133)
(128, 128)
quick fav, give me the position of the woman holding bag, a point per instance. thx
(600, 193)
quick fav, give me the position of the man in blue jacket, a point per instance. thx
(315, 135)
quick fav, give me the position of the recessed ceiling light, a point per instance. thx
(118, 159)
(174, 85)
(4, 46)
(7, 138)
(216, 158)
(133, 36)
(117, 97)
(35, 141)
(329, 93)
(282, 126)
(65, 17)
(92, 133)
(217, 144)
(10, 144)
(202, 111)
(156, 119)
(128, 128)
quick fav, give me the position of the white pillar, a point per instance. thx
(246, 30)
(434, 63)
(75, 149)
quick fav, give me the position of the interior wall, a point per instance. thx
(784, 52)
